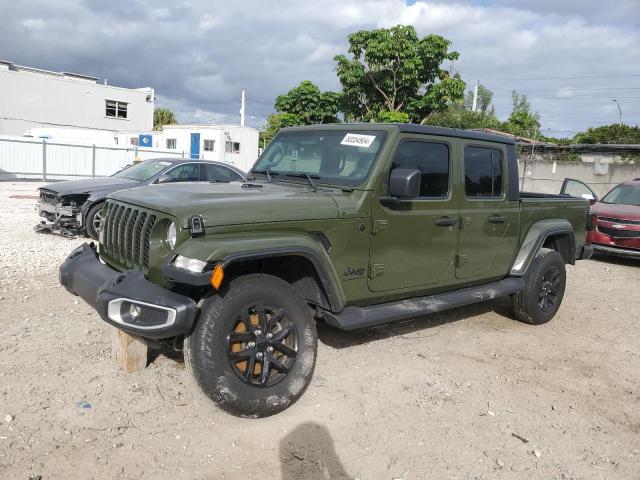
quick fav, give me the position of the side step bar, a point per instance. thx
(358, 317)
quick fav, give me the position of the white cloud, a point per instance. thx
(33, 23)
(208, 22)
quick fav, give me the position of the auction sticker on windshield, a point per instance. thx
(356, 140)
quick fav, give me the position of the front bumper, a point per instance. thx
(126, 299)
(60, 215)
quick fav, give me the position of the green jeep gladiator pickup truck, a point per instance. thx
(355, 225)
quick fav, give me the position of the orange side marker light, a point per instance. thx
(217, 276)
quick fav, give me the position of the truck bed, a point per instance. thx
(543, 206)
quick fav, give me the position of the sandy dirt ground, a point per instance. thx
(466, 394)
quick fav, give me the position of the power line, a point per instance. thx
(569, 88)
(569, 78)
(574, 98)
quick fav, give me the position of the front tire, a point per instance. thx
(253, 350)
(545, 285)
(93, 221)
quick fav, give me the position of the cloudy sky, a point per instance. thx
(572, 57)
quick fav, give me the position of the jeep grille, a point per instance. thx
(127, 234)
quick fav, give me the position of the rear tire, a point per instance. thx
(545, 285)
(253, 350)
(93, 220)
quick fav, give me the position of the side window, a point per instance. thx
(217, 173)
(187, 172)
(432, 159)
(482, 172)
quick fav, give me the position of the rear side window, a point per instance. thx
(432, 159)
(217, 173)
(482, 172)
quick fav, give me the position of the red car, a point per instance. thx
(615, 218)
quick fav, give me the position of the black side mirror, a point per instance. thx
(164, 178)
(405, 183)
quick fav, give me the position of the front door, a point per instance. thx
(195, 145)
(489, 224)
(579, 189)
(414, 241)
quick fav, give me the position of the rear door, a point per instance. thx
(489, 223)
(414, 241)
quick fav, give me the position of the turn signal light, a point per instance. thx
(217, 276)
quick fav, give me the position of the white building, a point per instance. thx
(32, 98)
(234, 144)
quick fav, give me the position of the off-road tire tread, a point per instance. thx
(525, 303)
(200, 344)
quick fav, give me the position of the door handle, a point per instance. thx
(497, 219)
(446, 222)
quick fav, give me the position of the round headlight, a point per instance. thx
(171, 235)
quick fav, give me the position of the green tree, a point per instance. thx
(522, 122)
(275, 122)
(385, 116)
(610, 134)
(163, 116)
(485, 96)
(393, 70)
(458, 117)
(615, 133)
(309, 104)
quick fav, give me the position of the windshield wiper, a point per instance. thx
(268, 172)
(308, 177)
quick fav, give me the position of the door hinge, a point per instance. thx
(376, 269)
(461, 260)
(380, 226)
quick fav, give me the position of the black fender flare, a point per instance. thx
(326, 273)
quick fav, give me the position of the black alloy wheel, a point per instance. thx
(549, 289)
(262, 345)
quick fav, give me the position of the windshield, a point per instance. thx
(144, 170)
(341, 157)
(623, 195)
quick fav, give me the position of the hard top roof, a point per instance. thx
(411, 128)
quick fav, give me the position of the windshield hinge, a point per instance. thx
(376, 269)
(380, 226)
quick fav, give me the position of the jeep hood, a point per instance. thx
(231, 204)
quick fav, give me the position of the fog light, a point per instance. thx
(134, 311)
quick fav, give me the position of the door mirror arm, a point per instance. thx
(164, 178)
(404, 183)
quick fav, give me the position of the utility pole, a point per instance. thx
(242, 108)
(475, 97)
(619, 109)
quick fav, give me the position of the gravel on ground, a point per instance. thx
(465, 394)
